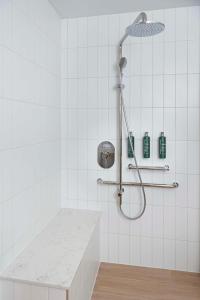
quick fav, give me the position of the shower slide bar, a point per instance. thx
(150, 168)
(156, 185)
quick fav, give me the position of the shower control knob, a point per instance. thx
(106, 154)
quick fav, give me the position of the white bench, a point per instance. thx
(61, 263)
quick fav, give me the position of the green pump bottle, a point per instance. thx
(162, 146)
(130, 152)
(146, 146)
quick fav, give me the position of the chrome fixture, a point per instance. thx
(140, 28)
(122, 63)
(150, 168)
(155, 185)
(106, 154)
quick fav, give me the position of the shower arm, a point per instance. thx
(142, 17)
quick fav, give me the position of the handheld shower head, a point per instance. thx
(122, 63)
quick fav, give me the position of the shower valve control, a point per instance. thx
(106, 155)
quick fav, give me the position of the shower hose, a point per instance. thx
(143, 208)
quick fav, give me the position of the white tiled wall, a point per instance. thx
(29, 121)
(162, 93)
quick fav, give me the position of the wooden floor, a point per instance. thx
(120, 282)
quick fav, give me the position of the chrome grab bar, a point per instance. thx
(152, 168)
(156, 185)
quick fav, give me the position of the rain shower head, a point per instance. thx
(144, 29)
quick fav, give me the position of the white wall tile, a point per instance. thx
(158, 58)
(169, 63)
(181, 223)
(146, 120)
(169, 254)
(82, 62)
(92, 101)
(169, 91)
(181, 27)
(193, 90)
(92, 61)
(169, 222)
(181, 255)
(193, 57)
(124, 249)
(113, 246)
(158, 91)
(181, 124)
(158, 253)
(181, 157)
(170, 24)
(193, 158)
(113, 219)
(182, 192)
(135, 251)
(193, 225)
(193, 124)
(82, 32)
(169, 123)
(146, 91)
(146, 251)
(135, 59)
(146, 65)
(193, 22)
(158, 222)
(72, 33)
(103, 34)
(92, 23)
(64, 24)
(103, 62)
(146, 225)
(193, 257)
(181, 57)
(193, 191)
(113, 29)
(72, 67)
(181, 90)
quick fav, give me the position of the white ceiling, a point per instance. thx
(84, 8)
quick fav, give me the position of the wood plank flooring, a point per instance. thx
(120, 282)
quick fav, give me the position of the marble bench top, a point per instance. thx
(53, 257)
